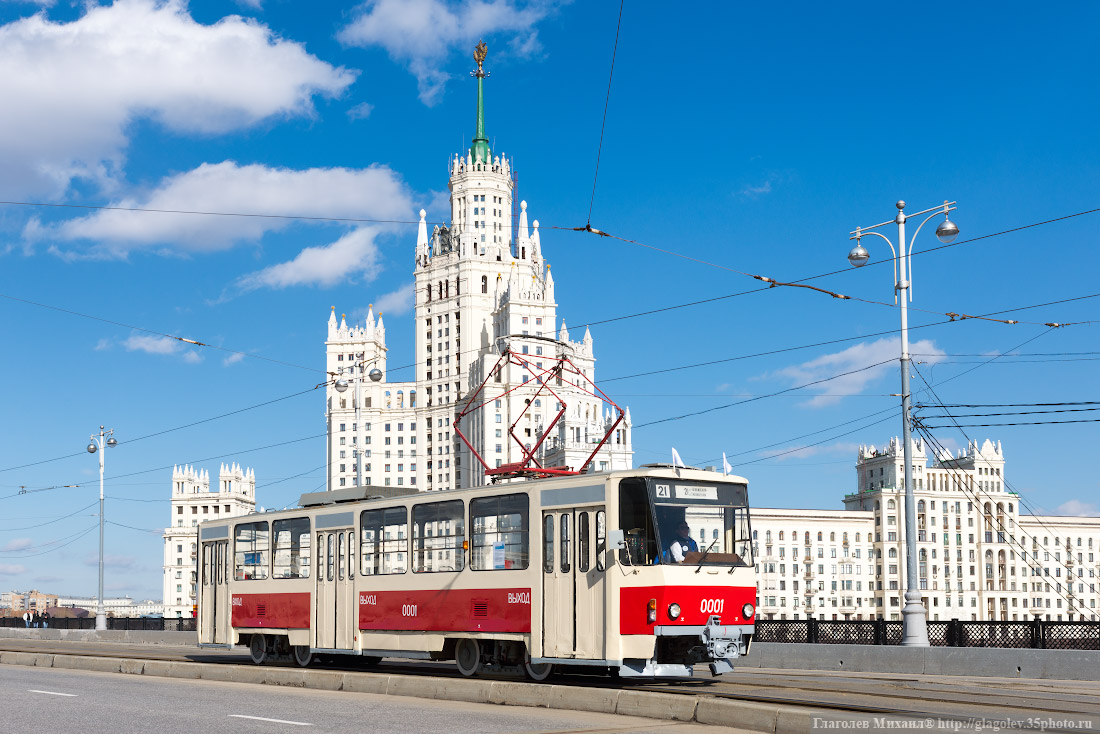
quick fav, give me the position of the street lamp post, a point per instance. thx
(913, 614)
(99, 443)
(341, 385)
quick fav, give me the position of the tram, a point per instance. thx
(534, 575)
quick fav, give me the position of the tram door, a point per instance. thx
(573, 593)
(334, 619)
(215, 611)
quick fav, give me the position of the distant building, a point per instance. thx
(979, 557)
(194, 502)
(480, 284)
(122, 606)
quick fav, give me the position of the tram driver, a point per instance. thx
(682, 544)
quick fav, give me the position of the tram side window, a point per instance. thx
(438, 536)
(499, 532)
(206, 580)
(290, 557)
(637, 523)
(548, 545)
(601, 539)
(384, 541)
(583, 542)
(250, 551)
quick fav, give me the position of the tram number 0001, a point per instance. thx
(408, 610)
(711, 606)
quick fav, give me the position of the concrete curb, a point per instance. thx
(772, 718)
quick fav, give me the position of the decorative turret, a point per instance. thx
(522, 235)
(422, 254)
(563, 335)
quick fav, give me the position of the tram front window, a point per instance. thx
(676, 522)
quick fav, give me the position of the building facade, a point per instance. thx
(979, 557)
(480, 285)
(192, 503)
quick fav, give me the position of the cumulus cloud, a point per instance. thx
(396, 303)
(161, 345)
(856, 359)
(233, 359)
(352, 257)
(360, 111)
(422, 33)
(112, 561)
(11, 569)
(1078, 508)
(18, 544)
(376, 192)
(71, 90)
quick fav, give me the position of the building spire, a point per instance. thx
(479, 151)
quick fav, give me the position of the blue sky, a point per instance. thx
(748, 137)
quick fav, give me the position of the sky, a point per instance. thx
(739, 139)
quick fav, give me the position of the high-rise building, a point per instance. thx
(979, 555)
(194, 502)
(480, 285)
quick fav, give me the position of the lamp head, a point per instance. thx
(112, 442)
(375, 375)
(341, 384)
(947, 231)
(859, 256)
(92, 448)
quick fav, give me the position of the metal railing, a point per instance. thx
(1035, 634)
(151, 624)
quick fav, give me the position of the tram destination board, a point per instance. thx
(666, 491)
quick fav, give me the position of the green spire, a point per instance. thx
(479, 151)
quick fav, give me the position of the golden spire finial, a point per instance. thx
(480, 51)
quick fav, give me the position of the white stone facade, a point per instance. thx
(979, 557)
(118, 607)
(479, 285)
(194, 502)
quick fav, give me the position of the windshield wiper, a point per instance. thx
(704, 556)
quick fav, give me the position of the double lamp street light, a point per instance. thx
(99, 443)
(341, 385)
(914, 615)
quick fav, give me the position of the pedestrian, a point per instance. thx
(45, 619)
(35, 619)
(27, 619)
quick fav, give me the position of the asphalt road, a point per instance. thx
(41, 699)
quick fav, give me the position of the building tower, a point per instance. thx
(479, 285)
(193, 502)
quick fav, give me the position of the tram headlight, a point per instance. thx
(674, 611)
(651, 611)
(748, 610)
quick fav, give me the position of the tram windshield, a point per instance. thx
(679, 522)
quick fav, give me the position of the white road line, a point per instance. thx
(51, 693)
(274, 721)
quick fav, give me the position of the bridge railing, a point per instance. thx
(1033, 633)
(151, 624)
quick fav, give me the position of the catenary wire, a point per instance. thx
(49, 522)
(607, 100)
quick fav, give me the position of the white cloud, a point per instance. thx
(72, 90)
(352, 257)
(396, 303)
(360, 111)
(375, 192)
(755, 192)
(1078, 508)
(18, 544)
(112, 561)
(854, 359)
(423, 33)
(11, 569)
(161, 345)
(233, 359)
(804, 452)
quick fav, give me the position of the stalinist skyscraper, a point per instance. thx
(481, 284)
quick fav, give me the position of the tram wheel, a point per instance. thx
(302, 656)
(257, 649)
(468, 657)
(537, 672)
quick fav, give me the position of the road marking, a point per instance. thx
(274, 721)
(51, 693)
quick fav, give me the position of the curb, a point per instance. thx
(771, 718)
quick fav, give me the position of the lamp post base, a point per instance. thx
(100, 621)
(914, 621)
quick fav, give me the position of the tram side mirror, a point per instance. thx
(616, 539)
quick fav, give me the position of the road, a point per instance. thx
(46, 699)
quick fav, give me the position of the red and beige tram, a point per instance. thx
(535, 575)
